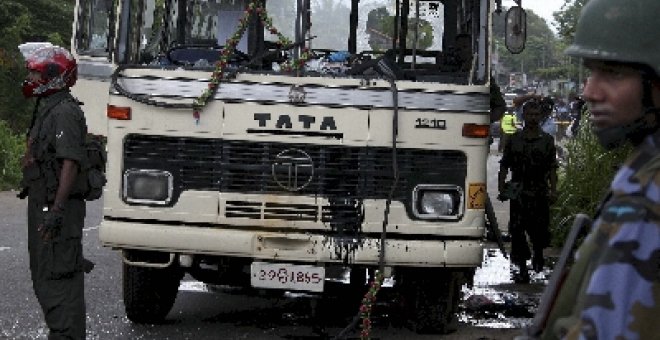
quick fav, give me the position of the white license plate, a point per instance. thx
(287, 276)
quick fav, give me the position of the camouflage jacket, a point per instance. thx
(613, 288)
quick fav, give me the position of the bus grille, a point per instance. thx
(317, 170)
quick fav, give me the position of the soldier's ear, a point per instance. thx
(655, 93)
(655, 90)
(656, 83)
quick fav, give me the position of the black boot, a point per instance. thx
(537, 261)
(523, 275)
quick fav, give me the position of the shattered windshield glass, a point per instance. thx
(94, 22)
(444, 40)
(155, 26)
(330, 24)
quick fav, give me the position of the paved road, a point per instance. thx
(200, 312)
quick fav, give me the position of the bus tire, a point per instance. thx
(431, 300)
(149, 293)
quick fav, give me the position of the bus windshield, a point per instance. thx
(439, 35)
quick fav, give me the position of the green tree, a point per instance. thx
(11, 150)
(16, 20)
(378, 22)
(541, 49)
(584, 180)
(22, 21)
(567, 18)
(380, 25)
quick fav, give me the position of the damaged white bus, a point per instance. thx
(268, 143)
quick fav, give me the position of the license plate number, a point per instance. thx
(287, 276)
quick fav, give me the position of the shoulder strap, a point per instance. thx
(34, 116)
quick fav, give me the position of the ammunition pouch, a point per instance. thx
(89, 184)
(52, 180)
(34, 183)
(91, 178)
(30, 175)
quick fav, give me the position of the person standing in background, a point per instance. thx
(508, 126)
(576, 115)
(549, 125)
(531, 157)
(497, 103)
(497, 106)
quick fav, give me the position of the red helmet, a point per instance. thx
(58, 71)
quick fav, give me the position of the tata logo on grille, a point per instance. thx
(293, 169)
(285, 121)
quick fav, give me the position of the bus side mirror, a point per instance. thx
(515, 29)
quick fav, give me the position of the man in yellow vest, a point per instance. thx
(508, 125)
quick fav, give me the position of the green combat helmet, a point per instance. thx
(625, 31)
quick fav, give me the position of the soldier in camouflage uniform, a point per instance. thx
(613, 288)
(55, 216)
(530, 155)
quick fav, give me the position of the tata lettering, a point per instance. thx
(285, 121)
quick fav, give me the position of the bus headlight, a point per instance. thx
(147, 186)
(436, 201)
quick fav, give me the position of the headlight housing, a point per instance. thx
(148, 186)
(438, 202)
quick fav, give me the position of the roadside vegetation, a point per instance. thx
(23, 21)
(11, 151)
(583, 180)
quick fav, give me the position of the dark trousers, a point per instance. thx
(504, 138)
(530, 217)
(56, 270)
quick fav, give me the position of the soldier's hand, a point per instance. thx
(51, 225)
